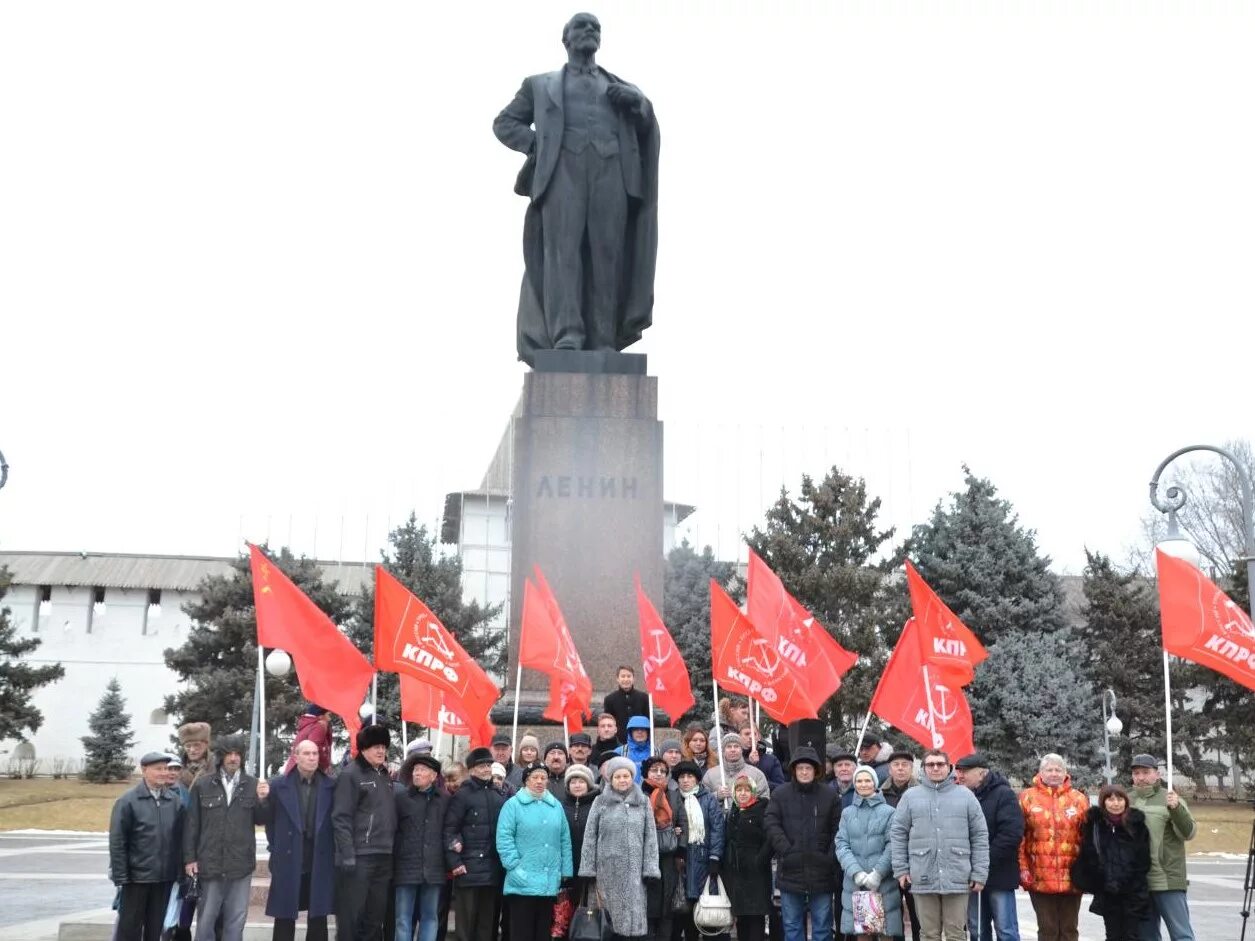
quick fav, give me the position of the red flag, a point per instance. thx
(666, 676)
(409, 639)
(429, 707)
(1202, 623)
(945, 644)
(745, 662)
(333, 673)
(545, 647)
(814, 654)
(901, 699)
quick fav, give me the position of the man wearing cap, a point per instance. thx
(418, 872)
(901, 778)
(844, 762)
(555, 760)
(994, 908)
(364, 817)
(626, 702)
(940, 849)
(145, 829)
(302, 847)
(194, 740)
(875, 754)
(470, 845)
(503, 752)
(580, 750)
(174, 775)
(801, 824)
(313, 725)
(220, 841)
(1171, 825)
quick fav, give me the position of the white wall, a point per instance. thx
(121, 642)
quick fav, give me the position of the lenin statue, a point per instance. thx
(590, 234)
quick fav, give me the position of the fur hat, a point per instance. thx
(373, 735)
(194, 732)
(617, 763)
(529, 770)
(686, 767)
(230, 743)
(579, 771)
(478, 756)
(427, 761)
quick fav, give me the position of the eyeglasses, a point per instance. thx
(936, 764)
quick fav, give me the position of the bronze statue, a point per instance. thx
(590, 234)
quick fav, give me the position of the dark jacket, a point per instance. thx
(418, 853)
(658, 891)
(623, 706)
(221, 838)
(892, 793)
(801, 823)
(471, 819)
(698, 856)
(746, 866)
(1114, 863)
(601, 748)
(770, 766)
(577, 810)
(364, 814)
(1005, 821)
(285, 834)
(145, 836)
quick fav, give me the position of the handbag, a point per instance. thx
(713, 912)
(668, 841)
(679, 901)
(589, 922)
(868, 909)
(563, 909)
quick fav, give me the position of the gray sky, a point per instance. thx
(259, 262)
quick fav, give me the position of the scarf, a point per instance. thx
(662, 807)
(733, 768)
(749, 803)
(696, 819)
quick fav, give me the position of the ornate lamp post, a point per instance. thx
(1111, 725)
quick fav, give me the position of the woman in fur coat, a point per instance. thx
(621, 849)
(1115, 862)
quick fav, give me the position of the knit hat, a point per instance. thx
(194, 732)
(553, 746)
(312, 709)
(686, 767)
(617, 763)
(373, 735)
(498, 769)
(730, 738)
(578, 771)
(867, 769)
(529, 739)
(478, 756)
(419, 745)
(671, 744)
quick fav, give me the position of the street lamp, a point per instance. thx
(1111, 725)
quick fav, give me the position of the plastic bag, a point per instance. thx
(868, 909)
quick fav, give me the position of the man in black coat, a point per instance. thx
(145, 831)
(418, 856)
(470, 843)
(625, 702)
(801, 823)
(993, 909)
(364, 817)
(220, 839)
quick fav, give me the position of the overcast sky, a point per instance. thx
(259, 262)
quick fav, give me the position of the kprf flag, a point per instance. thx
(1202, 623)
(744, 661)
(946, 645)
(666, 675)
(546, 646)
(902, 700)
(433, 708)
(815, 656)
(411, 640)
(332, 672)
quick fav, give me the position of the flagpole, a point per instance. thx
(651, 720)
(1167, 709)
(261, 724)
(374, 696)
(863, 731)
(566, 736)
(405, 737)
(723, 775)
(754, 713)
(932, 712)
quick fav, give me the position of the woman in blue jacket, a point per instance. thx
(701, 836)
(865, 856)
(534, 843)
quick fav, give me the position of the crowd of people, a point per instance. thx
(522, 842)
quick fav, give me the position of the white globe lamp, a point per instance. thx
(1114, 725)
(278, 663)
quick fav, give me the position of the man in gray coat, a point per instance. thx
(940, 849)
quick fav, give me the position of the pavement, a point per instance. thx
(48, 879)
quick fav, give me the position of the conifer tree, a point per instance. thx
(824, 547)
(109, 746)
(18, 680)
(686, 612)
